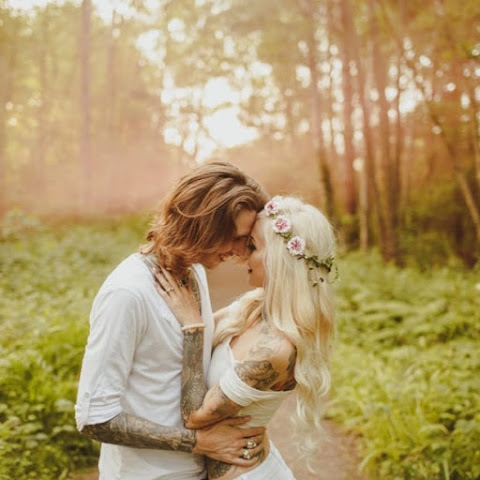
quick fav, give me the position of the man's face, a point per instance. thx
(237, 244)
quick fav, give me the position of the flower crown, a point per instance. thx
(296, 245)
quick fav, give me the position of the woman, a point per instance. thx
(273, 340)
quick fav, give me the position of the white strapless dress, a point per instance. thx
(258, 404)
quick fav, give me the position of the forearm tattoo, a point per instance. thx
(193, 380)
(131, 431)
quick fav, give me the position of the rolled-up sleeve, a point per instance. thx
(117, 323)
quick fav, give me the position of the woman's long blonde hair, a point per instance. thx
(302, 311)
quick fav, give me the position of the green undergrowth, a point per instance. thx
(405, 372)
(406, 369)
(48, 278)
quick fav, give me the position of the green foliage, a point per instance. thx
(47, 283)
(16, 223)
(406, 369)
(404, 372)
(429, 239)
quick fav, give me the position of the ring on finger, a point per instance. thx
(168, 290)
(246, 454)
(251, 444)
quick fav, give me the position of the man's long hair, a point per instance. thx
(198, 215)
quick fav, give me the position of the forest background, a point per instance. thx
(368, 109)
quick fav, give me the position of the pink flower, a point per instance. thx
(282, 224)
(272, 207)
(296, 246)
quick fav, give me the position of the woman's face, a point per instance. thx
(256, 260)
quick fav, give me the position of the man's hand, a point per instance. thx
(225, 441)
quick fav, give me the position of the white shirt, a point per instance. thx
(133, 364)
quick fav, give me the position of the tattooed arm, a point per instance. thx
(194, 390)
(222, 441)
(268, 365)
(201, 408)
(132, 431)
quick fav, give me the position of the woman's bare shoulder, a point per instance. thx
(266, 356)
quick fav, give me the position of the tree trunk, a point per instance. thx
(39, 153)
(399, 130)
(327, 200)
(467, 193)
(460, 177)
(465, 189)
(85, 140)
(331, 81)
(368, 194)
(387, 175)
(7, 67)
(347, 85)
(110, 84)
(475, 130)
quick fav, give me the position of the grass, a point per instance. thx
(405, 369)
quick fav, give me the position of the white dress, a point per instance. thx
(260, 405)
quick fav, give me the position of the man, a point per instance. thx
(129, 389)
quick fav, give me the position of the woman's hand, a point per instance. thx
(179, 297)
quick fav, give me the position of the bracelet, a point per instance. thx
(193, 325)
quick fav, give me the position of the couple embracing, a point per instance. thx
(176, 392)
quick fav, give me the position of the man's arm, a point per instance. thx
(200, 407)
(223, 441)
(132, 431)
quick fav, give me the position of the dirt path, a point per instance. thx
(337, 458)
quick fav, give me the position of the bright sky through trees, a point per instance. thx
(223, 128)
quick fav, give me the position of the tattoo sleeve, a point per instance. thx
(193, 380)
(257, 374)
(132, 431)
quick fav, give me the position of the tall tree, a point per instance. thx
(443, 102)
(85, 107)
(369, 212)
(310, 13)
(348, 106)
(387, 176)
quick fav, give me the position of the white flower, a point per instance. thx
(273, 206)
(281, 224)
(296, 246)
